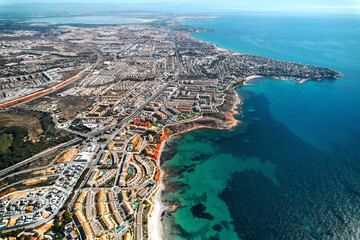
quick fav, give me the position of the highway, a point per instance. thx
(120, 126)
(82, 74)
(29, 179)
(127, 120)
(180, 67)
(40, 155)
(161, 86)
(25, 171)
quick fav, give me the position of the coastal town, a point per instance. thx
(109, 98)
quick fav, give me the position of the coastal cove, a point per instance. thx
(290, 169)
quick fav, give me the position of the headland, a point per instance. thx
(142, 85)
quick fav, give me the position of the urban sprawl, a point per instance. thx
(118, 92)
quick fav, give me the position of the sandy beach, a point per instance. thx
(247, 79)
(156, 231)
(303, 81)
(155, 226)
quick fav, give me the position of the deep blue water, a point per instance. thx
(292, 169)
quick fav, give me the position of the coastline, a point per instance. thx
(155, 227)
(156, 231)
(249, 78)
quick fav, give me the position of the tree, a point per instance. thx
(67, 217)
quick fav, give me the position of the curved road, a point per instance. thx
(40, 155)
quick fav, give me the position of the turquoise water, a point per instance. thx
(292, 169)
(86, 20)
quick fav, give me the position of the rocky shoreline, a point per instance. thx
(228, 123)
(223, 120)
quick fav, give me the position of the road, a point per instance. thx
(184, 121)
(28, 179)
(138, 222)
(180, 67)
(120, 126)
(127, 120)
(40, 155)
(81, 75)
(35, 224)
(25, 171)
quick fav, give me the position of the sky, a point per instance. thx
(224, 4)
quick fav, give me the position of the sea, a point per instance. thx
(291, 169)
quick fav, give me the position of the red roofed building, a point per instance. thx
(138, 122)
(73, 234)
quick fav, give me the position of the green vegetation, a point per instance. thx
(18, 178)
(5, 142)
(206, 73)
(101, 108)
(59, 224)
(22, 186)
(14, 233)
(109, 183)
(185, 116)
(103, 167)
(67, 217)
(78, 126)
(128, 176)
(29, 236)
(21, 148)
(16, 145)
(220, 58)
(81, 179)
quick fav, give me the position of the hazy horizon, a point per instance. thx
(211, 5)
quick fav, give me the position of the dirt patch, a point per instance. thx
(40, 173)
(29, 209)
(50, 170)
(46, 214)
(32, 124)
(24, 176)
(42, 161)
(12, 221)
(67, 156)
(44, 228)
(17, 194)
(35, 181)
(71, 106)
